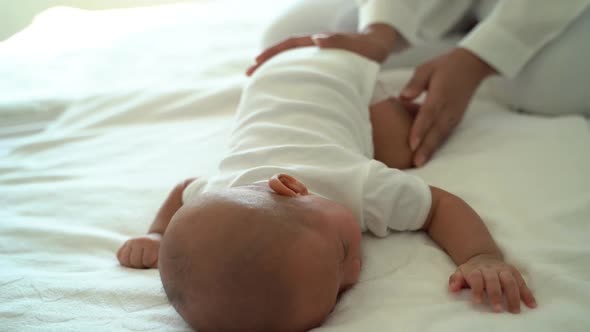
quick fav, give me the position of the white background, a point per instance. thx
(17, 14)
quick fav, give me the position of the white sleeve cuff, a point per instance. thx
(389, 12)
(499, 48)
(394, 200)
(194, 189)
(517, 30)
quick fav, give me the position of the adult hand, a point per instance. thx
(450, 81)
(491, 275)
(375, 43)
(140, 252)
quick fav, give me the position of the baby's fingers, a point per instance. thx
(456, 281)
(526, 295)
(150, 257)
(136, 257)
(475, 281)
(124, 253)
(493, 289)
(510, 288)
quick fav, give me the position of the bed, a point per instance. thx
(98, 125)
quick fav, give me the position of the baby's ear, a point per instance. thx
(287, 185)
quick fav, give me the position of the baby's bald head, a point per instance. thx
(225, 262)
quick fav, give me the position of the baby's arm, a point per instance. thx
(457, 228)
(142, 251)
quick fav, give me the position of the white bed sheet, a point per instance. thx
(96, 128)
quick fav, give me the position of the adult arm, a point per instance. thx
(376, 38)
(416, 21)
(502, 43)
(516, 30)
(375, 42)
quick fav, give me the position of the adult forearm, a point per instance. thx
(458, 229)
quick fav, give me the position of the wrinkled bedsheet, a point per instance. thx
(96, 126)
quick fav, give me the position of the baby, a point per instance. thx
(271, 240)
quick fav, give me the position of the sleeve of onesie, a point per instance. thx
(193, 189)
(416, 21)
(394, 200)
(517, 29)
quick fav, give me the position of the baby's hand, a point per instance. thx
(491, 274)
(140, 252)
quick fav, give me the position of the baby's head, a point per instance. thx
(259, 258)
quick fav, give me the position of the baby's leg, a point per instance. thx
(391, 124)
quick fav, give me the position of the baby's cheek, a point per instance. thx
(356, 269)
(352, 273)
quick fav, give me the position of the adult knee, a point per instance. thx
(555, 79)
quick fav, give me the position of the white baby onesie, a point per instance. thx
(305, 113)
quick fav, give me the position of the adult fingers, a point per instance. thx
(425, 118)
(441, 126)
(410, 106)
(333, 40)
(429, 145)
(418, 83)
(526, 295)
(354, 43)
(510, 288)
(252, 69)
(287, 44)
(493, 289)
(475, 281)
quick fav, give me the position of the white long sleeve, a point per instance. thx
(516, 30)
(417, 21)
(507, 38)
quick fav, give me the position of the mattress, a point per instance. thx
(102, 112)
